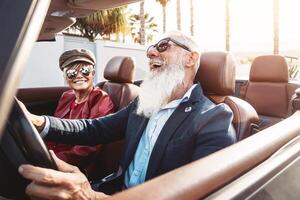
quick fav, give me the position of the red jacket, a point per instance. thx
(97, 105)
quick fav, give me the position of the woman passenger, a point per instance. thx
(83, 101)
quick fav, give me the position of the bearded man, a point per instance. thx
(170, 124)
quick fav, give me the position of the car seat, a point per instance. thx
(216, 75)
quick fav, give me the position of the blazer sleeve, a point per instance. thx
(216, 133)
(89, 131)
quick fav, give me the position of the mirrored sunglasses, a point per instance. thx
(164, 44)
(72, 73)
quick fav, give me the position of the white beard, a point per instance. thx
(157, 88)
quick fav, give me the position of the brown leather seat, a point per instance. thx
(120, 73)
(217, 77)
(269, 90)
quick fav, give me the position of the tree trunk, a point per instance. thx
(142, 25)
(276, 26)
(192, 16)
(123, 37)
(178, 14)
(164, 19)
(227, 18)
(117, 36)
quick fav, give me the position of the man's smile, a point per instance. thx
(156, 63)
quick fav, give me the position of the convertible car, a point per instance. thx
(263, 164)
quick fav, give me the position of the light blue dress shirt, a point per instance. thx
(137, 169)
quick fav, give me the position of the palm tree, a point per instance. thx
(227, 19)
(103, 23)
(192, 16)
(178, 14)
(142, 20)
(276, 26)
(163, 4)
(117, 21)
(150, 27)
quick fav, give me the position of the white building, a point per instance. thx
(42, 69)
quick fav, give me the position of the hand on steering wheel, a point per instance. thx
(68, 183)
(37, 121)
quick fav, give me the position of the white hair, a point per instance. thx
(158, 87)
(188, 41)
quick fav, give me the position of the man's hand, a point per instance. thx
(68, 183)
(38, 121)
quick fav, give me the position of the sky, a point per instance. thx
(251, 23)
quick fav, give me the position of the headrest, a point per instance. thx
(270, 68)
(216, 73)
(120, 69)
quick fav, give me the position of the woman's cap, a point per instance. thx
(76, 55)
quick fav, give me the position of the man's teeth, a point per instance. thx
(156, 64)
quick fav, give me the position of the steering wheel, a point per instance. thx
(20, 143)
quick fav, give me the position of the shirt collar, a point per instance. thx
(185, 98)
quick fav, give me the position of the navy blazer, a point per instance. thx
(196, 129)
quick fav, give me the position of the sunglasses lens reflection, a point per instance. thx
(85, 71)
(72, 73)
(162, 45)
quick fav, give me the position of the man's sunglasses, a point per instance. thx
(164, 44)
(72, 73)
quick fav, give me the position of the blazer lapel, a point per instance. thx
(183, 110)
(132, 143)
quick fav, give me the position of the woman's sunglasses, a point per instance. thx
(164, 44)
(72, 73)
